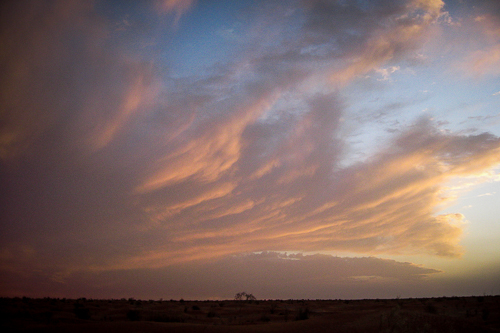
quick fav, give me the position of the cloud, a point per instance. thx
(43, 91)
(27, 63)
(396, 32)
(179, 7)
(384, 205)
(111, 163)
(386, 72)
(276, 275)
(484, 62)
(486, 194)
(483, 59)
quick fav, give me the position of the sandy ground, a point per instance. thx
(451, 314)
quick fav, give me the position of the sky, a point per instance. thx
(315, 149)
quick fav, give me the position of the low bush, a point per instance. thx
(134, 315)
(82, 313)
(303, 314)
(429, 308)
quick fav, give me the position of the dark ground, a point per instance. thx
(444, 314)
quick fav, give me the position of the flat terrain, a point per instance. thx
(444, 314)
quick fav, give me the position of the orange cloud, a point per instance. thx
(403, 34)
(385, 205)
(208, 156)
(107, 129)
(168, 211)
(484, 62)
(483, 56)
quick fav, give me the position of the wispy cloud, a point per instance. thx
(386, 72)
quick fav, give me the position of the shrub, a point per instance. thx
(265, 318)
(164, 318)
(429, 308)
(133, 315)
(303, 314)
(485, 314)
(82, 313)
(47, 315)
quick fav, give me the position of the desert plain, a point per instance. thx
(441, 314)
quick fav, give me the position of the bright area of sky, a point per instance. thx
(291, 149)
